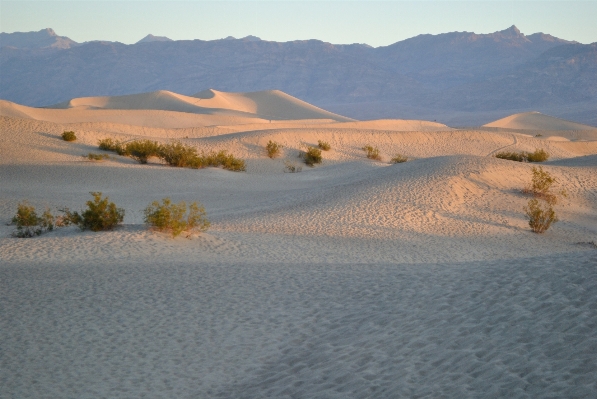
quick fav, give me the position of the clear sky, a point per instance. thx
(377, 23)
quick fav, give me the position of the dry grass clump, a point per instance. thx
(539, 209)
(324, 145)
(540, 214)
(174, 154)
(29, 224)
(142, 150)
(174, 218)
(539, 155)
(398, 158)
(372, 152)
(100, 215)
(112, 145)
(68, 136)
(96, 157)
(312, 156)
(273, 149)
(291, 167)
(540, 186)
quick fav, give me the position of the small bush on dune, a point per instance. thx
(69, 136)
(312, 156)
(511, 156)
(372, 152)
(29, 224)
(541, 184)
(180, 155)
(96, 157)
(100, 215)
(174, 218)
(112, 145)
(398, 158)
(541, 216)
(540, 155)
(142, 150)
(273, 149)
(324, 145)
(174, 154)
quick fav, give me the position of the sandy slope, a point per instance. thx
(355, 278)
(537, 121)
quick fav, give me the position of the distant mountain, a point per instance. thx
(428, 76)
(45, 38)
(151, 38)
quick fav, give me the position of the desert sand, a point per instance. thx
(356, 278)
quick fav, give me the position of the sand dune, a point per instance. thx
(537, 121)
(269, 105)
(356, 278)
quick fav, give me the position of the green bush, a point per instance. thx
(540, 155)
(291, 167)
(100, 215)
(223, 159)
(372, 152)
(324, 145)
(112, 145)
(273, 149)
(174, 218)
(96, 157)
(29, 224)
(541, 184)
(180, 155)
(541, 216)
(312, 156)
(142, 150)
(511, 156)
(398, 158)
(69, 136)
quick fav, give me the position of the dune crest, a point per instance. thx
(536, 121)
(270, 105)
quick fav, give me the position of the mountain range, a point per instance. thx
(458, 78)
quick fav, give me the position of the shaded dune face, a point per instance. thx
(537, 121)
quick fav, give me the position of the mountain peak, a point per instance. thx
(151, 38)
(45, 38)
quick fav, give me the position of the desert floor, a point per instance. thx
(352, 279)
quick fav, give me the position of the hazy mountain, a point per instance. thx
(45, 38)
(151, 38)
(423, 76)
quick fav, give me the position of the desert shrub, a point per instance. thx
(273, 149)
(29, 224)
(398, 158)
(540, 155)
(180, 155)
(96, 157)
(112, 145)
(225, 160)
(511, 156)
(100, 215)
(68, 136)
(540, 186)
(539, 135)
(142, 150)
(174, 218)
(291, 167)
(312, 156)
(372, 152)
(324, 145)
(540, 214)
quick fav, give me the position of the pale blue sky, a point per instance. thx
(377, 23)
